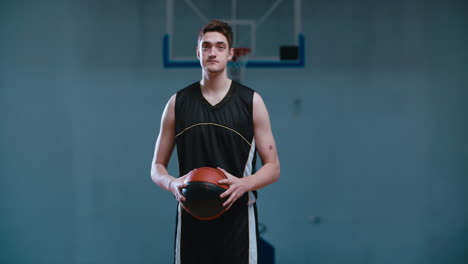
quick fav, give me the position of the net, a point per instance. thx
(237, 66)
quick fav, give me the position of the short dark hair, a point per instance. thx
(217, 26)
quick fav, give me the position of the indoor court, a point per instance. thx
(367, 103)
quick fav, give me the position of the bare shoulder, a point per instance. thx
(169, 111)
(257, 99)
(259, 108)
(172, 100)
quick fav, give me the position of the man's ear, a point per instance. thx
(198, 52)
(231, 53)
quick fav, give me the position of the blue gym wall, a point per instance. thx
(371, 134)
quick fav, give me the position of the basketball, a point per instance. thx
(202, 192)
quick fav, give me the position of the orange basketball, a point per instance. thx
(202, 192)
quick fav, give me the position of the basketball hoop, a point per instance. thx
(240, 52)
(237, 65)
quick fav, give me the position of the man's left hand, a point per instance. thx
(237, 188)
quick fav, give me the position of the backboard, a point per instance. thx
(271, 29)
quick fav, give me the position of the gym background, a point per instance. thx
(371, 133)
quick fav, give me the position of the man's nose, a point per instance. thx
(212, 52)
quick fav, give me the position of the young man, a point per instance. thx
(218, 123)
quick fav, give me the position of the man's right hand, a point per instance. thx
(176, 187)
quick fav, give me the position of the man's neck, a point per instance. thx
(215, 82)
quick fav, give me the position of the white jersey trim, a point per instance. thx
(248, 169)
(178, 235)
(252, 235)
(251, 211)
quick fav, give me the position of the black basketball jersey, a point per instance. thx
(216, 136)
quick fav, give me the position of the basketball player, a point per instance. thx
(217, 122)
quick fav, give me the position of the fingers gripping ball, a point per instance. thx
(202, 192)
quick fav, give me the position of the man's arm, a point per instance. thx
(266, 147)
(163, 151)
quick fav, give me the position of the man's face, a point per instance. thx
(213, 52)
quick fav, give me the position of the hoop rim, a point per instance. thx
(240, 52)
